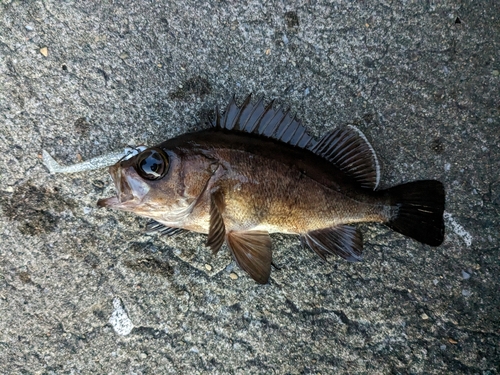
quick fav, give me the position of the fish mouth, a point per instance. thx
(130, 188)
(108, 202)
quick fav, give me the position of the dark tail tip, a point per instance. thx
(420, 207)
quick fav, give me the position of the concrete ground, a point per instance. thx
(85, 291)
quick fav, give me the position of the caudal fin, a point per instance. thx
(420, 207)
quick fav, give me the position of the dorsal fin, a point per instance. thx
(267, 121)
(348, 149)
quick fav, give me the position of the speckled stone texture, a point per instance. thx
(85, 291)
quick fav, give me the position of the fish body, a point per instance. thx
(256, 171)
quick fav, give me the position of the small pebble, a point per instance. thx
(44, 51)
(443, 347)
(233, 276)
(143, 355)
(424, 316)
(208, 267)
(466, 293)
(465, 275)
(495, 72)
(28, 27)
(452, 341)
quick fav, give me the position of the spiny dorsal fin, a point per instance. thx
(350, 151)
(266, 121)
(343, 240)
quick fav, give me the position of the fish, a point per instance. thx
(255, 171)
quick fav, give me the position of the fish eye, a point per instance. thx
(152, 164)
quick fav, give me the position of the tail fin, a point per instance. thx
(420, 207)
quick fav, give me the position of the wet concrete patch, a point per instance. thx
(151, 265)
(197, 86)
(36, 209)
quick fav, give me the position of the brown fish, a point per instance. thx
(256, 171)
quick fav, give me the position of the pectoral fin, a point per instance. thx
(217, 230)
(343, 240)
(252, 252)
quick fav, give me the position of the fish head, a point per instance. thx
(153, 184)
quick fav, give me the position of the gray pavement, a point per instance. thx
(84, 291)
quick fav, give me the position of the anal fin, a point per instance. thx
(343, 240)
(252, 252)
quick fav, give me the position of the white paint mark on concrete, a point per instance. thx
(119, 319)
(458, 229)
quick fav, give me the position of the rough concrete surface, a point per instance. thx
(85, 291)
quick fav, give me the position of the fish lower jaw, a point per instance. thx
(108, 202)
(119, 203)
